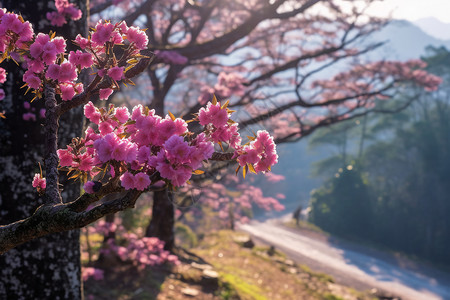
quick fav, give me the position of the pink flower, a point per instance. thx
(127, 180)
(141, 181)
(178, 151)
(2, 94)
(65, 157)
(213, 114)
(143, 154)
(105, 128)
(36, 49)
(91, 112)
(32, 80)
(81, 41)
(138, 37)
(86, 162)
(116, 73)
(105, 93)
(53, 72)
(95, 273)
(67, 92)
(60, 44)
(102, 33)
(68, 72)
(122, 114)
(39, 182)
(85, 60)
(2, 75)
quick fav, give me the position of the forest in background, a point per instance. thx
(389, 181)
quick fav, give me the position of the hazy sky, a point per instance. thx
(414, 9)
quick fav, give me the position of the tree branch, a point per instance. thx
(52, 194)
(60, 217)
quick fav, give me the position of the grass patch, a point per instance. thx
(244, 289)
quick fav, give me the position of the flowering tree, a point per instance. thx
(140, 151)
(273, 58)
(275, 48)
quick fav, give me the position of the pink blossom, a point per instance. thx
(53, 72)
(32, 80)
(91, 112)
(86, 162)
(65, 158)
(116, 73)
(105, 128)
(81, 41)
(60, 44)
(127, 180)
(178, 151)
(2, 75)
(56, 19)
(67, 92)
(138, 37)
(2, 94)
(49, 57)
(39, 182)
(36, 49)
(105, 93)
(143, 154)
(213, 114)
(141, 181)
(67, 72)
(102, 33)
(122, 114)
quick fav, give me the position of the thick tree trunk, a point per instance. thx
(48, 267)
(163, 219)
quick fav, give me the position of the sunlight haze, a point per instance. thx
(413, 10)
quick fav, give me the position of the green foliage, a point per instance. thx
(343, 202)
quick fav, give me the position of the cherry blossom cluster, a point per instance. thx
(260, 153)
(138, 144)
(216, 120)
(14, 32)
(64, 11)
(135, 145)
(141, 251)
(360, 79)
(234, 199)
(47, 62)
(39, 183)
(130, 247)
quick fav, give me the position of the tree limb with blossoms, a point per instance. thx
(288, 66)
(131, 152)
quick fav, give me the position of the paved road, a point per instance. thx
(354, 265)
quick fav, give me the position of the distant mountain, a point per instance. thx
(434, 27)
(405, 41)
